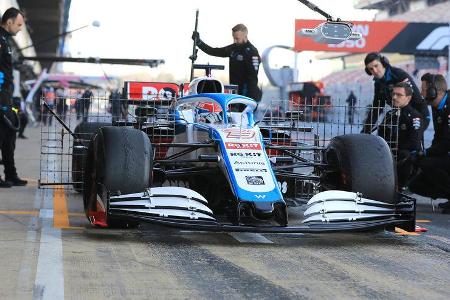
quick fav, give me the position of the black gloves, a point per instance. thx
(196, 37)
(9, 117)
(417, 156)
(367, 129)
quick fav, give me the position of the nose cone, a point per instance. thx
(276, 211)
(263, 210)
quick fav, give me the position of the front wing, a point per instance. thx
(331, 211)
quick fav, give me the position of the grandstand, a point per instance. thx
(427, 11)
(340, 83)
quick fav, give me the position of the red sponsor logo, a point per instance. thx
(375, 36)
(246, 146)
(151, 90)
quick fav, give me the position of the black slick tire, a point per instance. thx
(361, 163)
(84, 133)
(119, 161)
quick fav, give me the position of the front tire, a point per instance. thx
(119, 161)
(84, 133)
(361, 163)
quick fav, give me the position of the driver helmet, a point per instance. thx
(209, 107)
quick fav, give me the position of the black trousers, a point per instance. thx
(116, 109)
(434, 179)
(82, 108)
(85, 108)
(7, 135)
(8, 145)
(405, 167)
(23, 122)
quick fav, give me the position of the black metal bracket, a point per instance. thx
(315, 8)
(46, 106)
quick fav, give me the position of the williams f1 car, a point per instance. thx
(199, 160)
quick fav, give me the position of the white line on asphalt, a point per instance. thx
(25, 275)
(45, 213)
(49, 282)
(249, 237)
(26, 271)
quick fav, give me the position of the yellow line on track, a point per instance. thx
(423, 221)
(60, 214)
(34, 213)
(19, 212)
(74, 227)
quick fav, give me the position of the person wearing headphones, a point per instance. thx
(385, 77)
(434, 179)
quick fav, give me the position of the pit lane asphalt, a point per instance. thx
(49, 251)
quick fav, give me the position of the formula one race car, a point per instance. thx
(202, 162)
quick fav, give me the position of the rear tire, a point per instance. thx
(84, 133)
(119, 161)
(361, 163)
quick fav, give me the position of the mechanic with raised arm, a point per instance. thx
(410, 131)
(434, 181)
(12, 22)
(244, 61)
(385, 77)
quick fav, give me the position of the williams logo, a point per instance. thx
(254, 180)
(260, 196)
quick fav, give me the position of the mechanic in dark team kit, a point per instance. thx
(12, 22)
(385, 77)
(244, 61)
(410, 131)
(434, 181)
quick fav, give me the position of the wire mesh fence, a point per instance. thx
(295, 132)
(68, 123)
(306, 126)
(317, 123)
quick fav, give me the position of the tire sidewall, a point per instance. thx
(365, 164)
